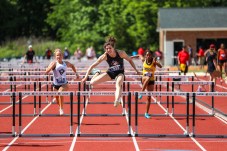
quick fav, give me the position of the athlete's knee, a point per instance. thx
(149, 98)
(119, 84)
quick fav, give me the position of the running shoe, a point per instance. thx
(199, 89)
(117, 102)
(94, 71)
(140, 97)
(54, 99)
(89, 87)
(61, 111)
(146, 115)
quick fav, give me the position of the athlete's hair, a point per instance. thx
(149, 51)
(110, 41)
(57, 50)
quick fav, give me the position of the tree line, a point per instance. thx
(84, 23)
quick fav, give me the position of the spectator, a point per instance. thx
(211, 58)
(183, 60)
(134, 53)
(222, 58)
(190, 52)
(78, 54)
(48, 53)
(90, 53)
(141, 51)
(201, 57)
(158, 54)
(66, 53)
(30, 54)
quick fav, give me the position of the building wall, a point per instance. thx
(189, 37)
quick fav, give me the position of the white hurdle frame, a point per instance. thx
(193, 133)
(13, 115)
(185, 134)
(104, 93)
(45, 93)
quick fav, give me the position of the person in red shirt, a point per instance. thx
(201, 57)
(222, 58)
(141, 51)
(183, 60)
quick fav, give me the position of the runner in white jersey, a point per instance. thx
(60, 82)
(59, 74)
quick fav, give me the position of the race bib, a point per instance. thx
(149, 74)
(223, 55)
(61, 80)
(114, 68)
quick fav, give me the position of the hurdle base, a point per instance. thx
(46, 135)
(7, 135)
(152, 115)
(103, 114)
(197, 115)
(56, 115)
(162, 135)
(102, 135)
(208, 136)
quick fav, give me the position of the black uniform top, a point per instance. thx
(30, 55)
(116, 63)
(210, 57)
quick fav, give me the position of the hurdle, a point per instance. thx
(30, 68)
(212, 101)
(13, 115)
(13, 86)
(168, 84)
(86, 99)
(193, 133)
(185, 134)
(105, 93)
(44, 93)
(50, 82)
(192, 83)
(172, 84)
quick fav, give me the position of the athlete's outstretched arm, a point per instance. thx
(51, 66)
(157, 63)
(129, 59)
(73, 68)
(100, 59)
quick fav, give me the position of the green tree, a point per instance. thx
(84, 23)
(33, 15)
(8, 20)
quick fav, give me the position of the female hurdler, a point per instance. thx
(60, 83)
(115, 59)
(148, 79)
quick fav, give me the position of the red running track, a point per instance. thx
(110, 124)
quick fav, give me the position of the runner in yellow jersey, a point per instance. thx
(148, 79)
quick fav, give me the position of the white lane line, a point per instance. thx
(217, 115)
(75, 135)
(133, 136)
(16, 101)
(194, 140)
(33, 120)
(9, 105)
(7, 147)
